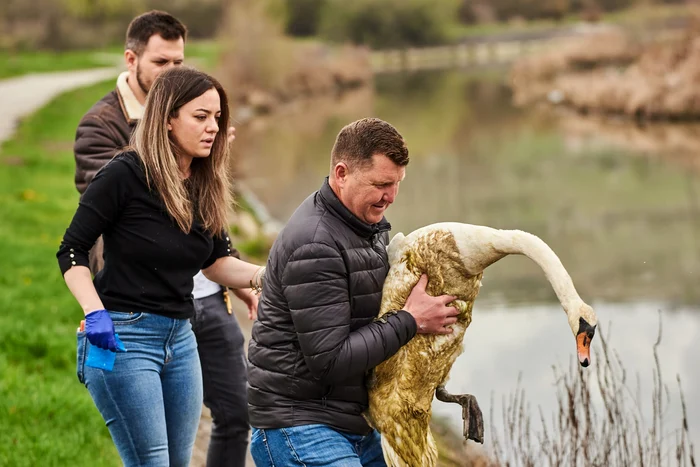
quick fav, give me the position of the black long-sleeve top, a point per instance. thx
(149, 260)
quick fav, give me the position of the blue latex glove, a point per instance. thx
(99, 329)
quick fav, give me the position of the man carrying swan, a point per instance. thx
(316, 337)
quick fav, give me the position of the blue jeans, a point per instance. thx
(315, 445)
(152, 399)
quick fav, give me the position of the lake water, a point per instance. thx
(619, 204)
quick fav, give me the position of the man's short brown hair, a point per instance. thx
(359, 141)
(148, 24)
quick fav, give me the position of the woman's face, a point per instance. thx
(196, 124)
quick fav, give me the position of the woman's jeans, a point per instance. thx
(315, 445)
(151, 401)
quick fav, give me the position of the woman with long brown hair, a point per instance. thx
(161, 207)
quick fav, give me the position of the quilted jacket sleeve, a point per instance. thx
(315, 284)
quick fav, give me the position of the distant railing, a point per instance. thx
(460, 55)
(484, 53)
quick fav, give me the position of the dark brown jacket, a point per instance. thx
(103, 131)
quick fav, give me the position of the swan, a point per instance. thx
(453, 256)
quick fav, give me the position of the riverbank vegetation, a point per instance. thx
(615, 73)
(263, 68)
(82, 24)
(600, 420)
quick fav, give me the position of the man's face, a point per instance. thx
(368, 190)
(158, 56)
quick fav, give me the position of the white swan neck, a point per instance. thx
(523, 243)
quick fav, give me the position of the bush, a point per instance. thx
(388, 23)
(303, 17)
(88, 24)
(475, 11)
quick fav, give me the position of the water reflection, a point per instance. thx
(287, 154)
(623, 219)
(503, 343)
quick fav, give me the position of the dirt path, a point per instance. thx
(25, 94)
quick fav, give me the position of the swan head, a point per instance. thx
(583, 322)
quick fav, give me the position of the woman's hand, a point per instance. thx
(251, 301)
(99, 329)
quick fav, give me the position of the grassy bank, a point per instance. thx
(21, 63)
(46, 416)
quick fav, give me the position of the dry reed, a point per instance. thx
(533, 77)
(607, 74)
(582, 433)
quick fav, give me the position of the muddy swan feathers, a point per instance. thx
(454, 256)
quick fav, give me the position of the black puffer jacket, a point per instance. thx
(315, 338)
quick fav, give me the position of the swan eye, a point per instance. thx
(584, 327)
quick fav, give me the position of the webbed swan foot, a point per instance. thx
(473, 427)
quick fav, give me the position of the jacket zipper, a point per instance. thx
(373, 243)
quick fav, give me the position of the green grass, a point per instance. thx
(255, 249)
(20, 63)
(46, 416)
(202, 53)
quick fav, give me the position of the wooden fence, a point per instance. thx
(476, 53)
